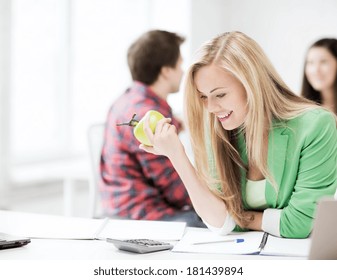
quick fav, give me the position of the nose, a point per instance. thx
(212, 105)
(313, 69)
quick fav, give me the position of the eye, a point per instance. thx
(220, 95)
(203, 97)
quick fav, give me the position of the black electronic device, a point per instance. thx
(10, 241)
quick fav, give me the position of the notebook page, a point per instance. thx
(132, 229)
(250, 245)
(48, 226)
(277, 246)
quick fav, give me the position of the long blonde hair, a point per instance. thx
(268, 99)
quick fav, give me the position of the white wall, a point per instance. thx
(4, 90)
(284, 28)
(208, 18)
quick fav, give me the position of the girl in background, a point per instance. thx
(320, 73)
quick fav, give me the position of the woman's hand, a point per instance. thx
(256, 222)
(165, 139)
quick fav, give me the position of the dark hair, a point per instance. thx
(308, 91)
(149, 53)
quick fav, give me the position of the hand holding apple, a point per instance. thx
(164, 140)
(138, 131)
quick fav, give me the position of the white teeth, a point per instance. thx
(224, 116)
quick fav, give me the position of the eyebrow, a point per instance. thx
(214, 89)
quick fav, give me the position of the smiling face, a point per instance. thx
(321, 68)
(222, 95)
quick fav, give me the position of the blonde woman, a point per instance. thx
(264, 156)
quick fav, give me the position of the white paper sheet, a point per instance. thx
(60, 227)
(286, 247)
(129, 229)
(47, 226)
(275, 246)
(250, 245)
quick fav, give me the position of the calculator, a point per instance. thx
(140, 246)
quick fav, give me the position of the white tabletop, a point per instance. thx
(65, 249)
(50, 249)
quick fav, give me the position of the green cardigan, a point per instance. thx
(302, 158)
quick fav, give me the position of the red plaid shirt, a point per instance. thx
(136, 184)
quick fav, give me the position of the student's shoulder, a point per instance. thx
(132, 104)
(315, 117)
(313, 124)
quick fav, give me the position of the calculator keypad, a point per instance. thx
(140, 245)
(146, 242)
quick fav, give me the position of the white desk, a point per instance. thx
(58, 249)
(46, 249)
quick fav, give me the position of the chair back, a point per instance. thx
(95, 144)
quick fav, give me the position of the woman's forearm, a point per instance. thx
(166, 142)
(208, 206)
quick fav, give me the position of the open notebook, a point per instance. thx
(322, 243)
(59, 227)
(253, 242)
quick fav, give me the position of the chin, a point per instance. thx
(229, 127)
(319, 87)
(174, 90)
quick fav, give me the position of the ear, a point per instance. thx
(165, 72)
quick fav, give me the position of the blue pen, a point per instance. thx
(238, 240)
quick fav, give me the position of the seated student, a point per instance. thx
(264, 156)
(320, 73)
(135, 184)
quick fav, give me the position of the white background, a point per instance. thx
(63, 62)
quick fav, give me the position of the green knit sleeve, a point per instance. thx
(316, 174)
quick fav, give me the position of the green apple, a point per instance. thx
(138, 131)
